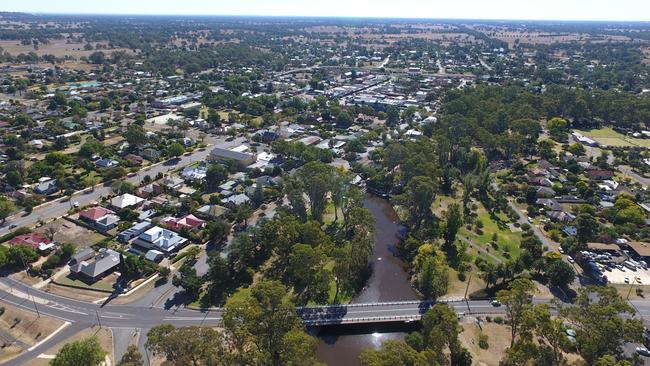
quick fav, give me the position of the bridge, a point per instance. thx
(386, 312)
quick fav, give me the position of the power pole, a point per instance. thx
(99, 321)
(467, 290)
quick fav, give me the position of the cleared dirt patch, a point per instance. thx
(21, 328)
(104, 336)
(68, 232)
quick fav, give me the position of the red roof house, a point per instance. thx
(34, 240)
(94, 213)
(190, 221)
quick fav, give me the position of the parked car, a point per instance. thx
(495, 303)
(643, 351)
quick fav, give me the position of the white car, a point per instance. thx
(75, 204)
(571, 260)
(626, 280)
(560, 250)
(643, 351)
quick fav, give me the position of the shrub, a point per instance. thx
(462, 276)
(488, 319)
(498, 320)
(483, 341)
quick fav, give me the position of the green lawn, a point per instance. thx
(609, 137)
(99, 285)
(507, 241)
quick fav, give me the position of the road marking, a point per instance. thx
(49, 336)
(47, 357)
(189, 319)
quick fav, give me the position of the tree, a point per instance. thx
(344, 120)
(557, 127)
(433, 278)
(307, 273)
(21, 255)
(298, 349)
(315, 177)
(215, 175)
(395, 352)
(97, 58)
(603, 321)
(189, 281)
(587, 227)
(392, 116)
(419, 195)
(560, 273)
(175, 150)
(259, 324)
(91, 180)
(84, 352)
(132, 357)
(135, 135)
(219, 278)
(517, 300)
(453, 222)
(218, 230)
(187, 346)
(6, 208)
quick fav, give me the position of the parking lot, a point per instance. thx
(617, 276)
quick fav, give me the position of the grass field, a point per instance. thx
(609, 137)
(507, 241)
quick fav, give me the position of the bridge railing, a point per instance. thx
(370, 319)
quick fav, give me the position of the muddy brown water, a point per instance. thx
(389, 282)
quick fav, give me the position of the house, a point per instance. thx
(237, 200)
(540, 181)
(560, 216)
(154, 255)
(549, 204)
(241, 158)
(46, 187)
(161, 239)
(126, 200)
(545, 192)
(151, 189)
(106, 163)
(194, 174)
(173, 183)
(599, 174)
(82, 255)
(93, 269)
(35, 240)
(213, 211)
(570, 230)
(189, 222)
(641, 249)
(134, 159)
(99, 217)
(133, 231)
(150, 154)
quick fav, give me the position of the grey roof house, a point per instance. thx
(104, 261)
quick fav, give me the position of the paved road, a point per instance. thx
(60, 207)
(629, 172)
(127, 318)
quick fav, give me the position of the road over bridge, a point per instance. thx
(79, 315)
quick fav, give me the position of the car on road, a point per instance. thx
(626, 280)
(643, 351)
(12, 226)
(571, 260)
(495, 303)
(75, 204)
(559, 249)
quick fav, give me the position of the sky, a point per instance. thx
(621, 10)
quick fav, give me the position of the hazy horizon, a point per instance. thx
(552, 10)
